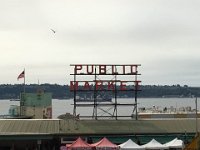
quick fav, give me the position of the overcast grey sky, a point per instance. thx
(161, 35)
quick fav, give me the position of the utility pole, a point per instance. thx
(196, 117)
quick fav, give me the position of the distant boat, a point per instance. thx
(14, 99)
(91, 99)
(156, 113)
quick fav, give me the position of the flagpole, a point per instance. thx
(22, 95)
(24, 80)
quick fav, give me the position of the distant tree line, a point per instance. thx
(8, 91)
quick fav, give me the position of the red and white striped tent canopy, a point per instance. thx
(79, 144)
(105, 144)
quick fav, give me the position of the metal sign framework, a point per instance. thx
(99, 85)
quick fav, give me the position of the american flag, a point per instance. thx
(21, 75)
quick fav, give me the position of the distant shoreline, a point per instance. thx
(9, 91)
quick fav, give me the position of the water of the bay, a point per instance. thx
(66, 106)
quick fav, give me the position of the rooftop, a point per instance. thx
(95, 127)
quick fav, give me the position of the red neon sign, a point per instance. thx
(103, 70)
(100, 85)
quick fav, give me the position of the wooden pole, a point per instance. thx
(196, 117)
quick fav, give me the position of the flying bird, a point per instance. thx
(53, 31)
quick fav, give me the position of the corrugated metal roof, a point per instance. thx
(28, 126)
(70, 126)
(142, 126)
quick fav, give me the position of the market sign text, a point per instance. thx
(104, 70)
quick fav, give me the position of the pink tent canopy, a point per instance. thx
(105, 144)
(79, 144)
